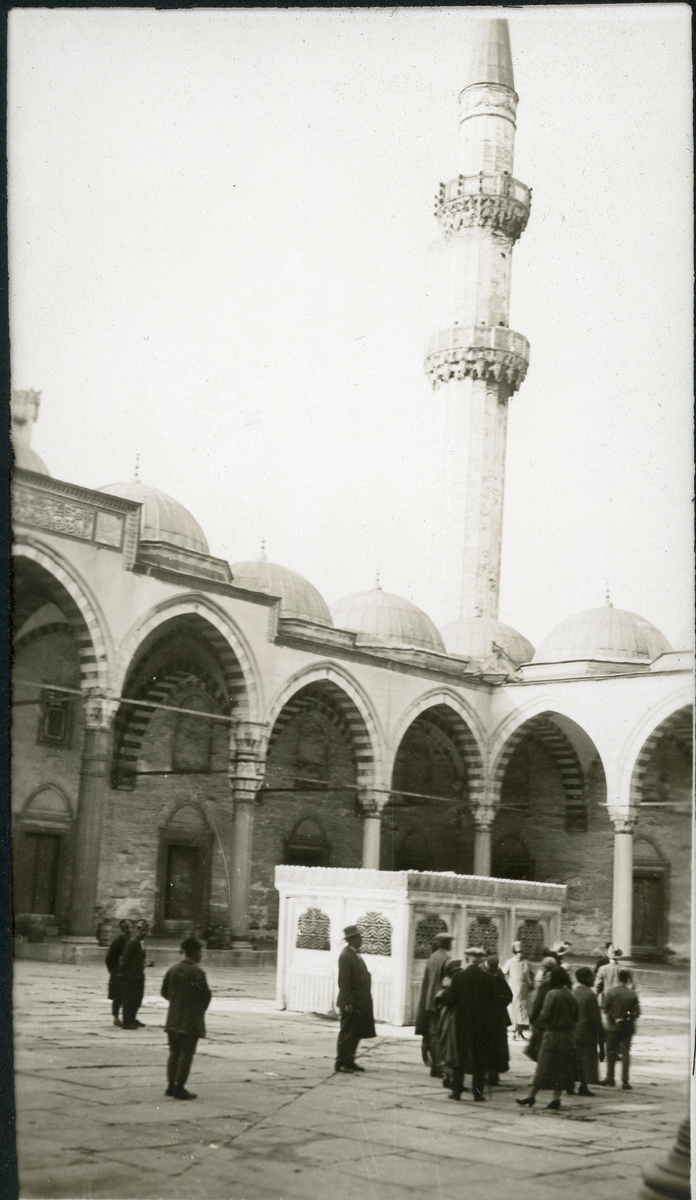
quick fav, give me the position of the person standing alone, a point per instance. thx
(186, 988)
(354, 1002)
(132, 972)
(113, 960)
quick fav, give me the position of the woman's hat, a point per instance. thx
(351, 931)
(452, 964)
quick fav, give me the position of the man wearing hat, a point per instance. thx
(473, 998)
(607, 976)
(428, 1017)
(354, 1002)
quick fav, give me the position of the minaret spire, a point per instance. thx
(475, 358)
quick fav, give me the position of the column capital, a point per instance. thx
(624, 822)
(248, 739)
(372, 801)
(99, 711)
(247, 760)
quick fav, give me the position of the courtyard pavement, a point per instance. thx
(272, 1121)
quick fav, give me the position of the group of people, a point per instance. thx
(465, 1012)
(184, 986)
(463, 1016)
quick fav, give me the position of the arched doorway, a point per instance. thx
(661, 789)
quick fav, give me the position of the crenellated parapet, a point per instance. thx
(491, 352)
(496, 202)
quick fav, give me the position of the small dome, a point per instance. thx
(162, 519)
(28, 460)
(481, 637)
(387, 619)
(605, 634)
(298, 597)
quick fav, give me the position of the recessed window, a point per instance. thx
(54, 719)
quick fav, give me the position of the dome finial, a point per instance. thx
(262, 556)
(607, 598)
(378, 582)
(136, 472)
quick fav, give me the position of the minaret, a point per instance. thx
(475, 360)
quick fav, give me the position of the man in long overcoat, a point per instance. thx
(354, 1002)
(428, 1016)
(473, 999)
(132, 971)
(113, 960)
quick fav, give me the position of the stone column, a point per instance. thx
(622, 901)
(96, 750)
(247, 765)
(372, 829)
(483, 820)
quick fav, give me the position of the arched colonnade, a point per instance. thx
(437, 751)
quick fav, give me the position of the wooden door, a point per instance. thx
(184, 885)
(44, 853)
(648, 913)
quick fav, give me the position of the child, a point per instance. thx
(186, 988)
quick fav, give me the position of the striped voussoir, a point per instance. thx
(187, 653)
(331, 702)
(564, 758)
(678, 727)
(40, 580)
(467, 757)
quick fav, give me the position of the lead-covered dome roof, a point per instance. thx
(163, 519)
(483, 638)
(389, 620)
(28, 460)
(298, 597)
(604, 634)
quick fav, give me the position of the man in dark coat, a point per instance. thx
(186, 988)
(112, 960)
(622, 1010)
(428, 1016)
(473, 999)
(499, 1054)
(354, 1002)
(132, 972)
(589, 1032)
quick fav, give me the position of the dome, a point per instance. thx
(606, 634)
(28, 460)
(162, 519)
(298, 597)
(481, 637)
(387, 619)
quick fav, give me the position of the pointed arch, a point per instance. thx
(344, 703)
(41, 577)
(562, 753)
(454, 717)
(678, 725)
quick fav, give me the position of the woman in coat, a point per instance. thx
(589, 1031)
(520, 979)
(499, 1054)
(544, 983)
(559, 1016)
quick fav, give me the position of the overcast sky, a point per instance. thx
(220, 224)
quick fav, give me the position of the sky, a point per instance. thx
(220, 225)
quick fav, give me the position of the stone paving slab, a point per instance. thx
(272, 1121)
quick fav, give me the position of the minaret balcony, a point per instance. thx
(496, 202)
(491, 352)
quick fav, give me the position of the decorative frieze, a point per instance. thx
(76, 512)
(490, 352)
(488, 100)
(53, 512)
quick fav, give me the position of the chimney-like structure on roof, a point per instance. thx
(475, 360)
